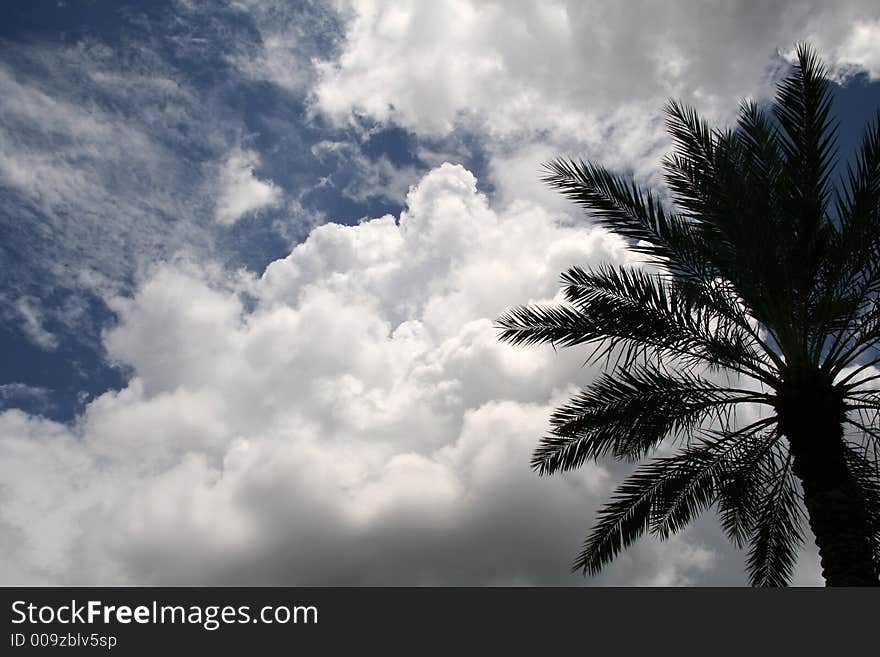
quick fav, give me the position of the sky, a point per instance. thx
(251, 254)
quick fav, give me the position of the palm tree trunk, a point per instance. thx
(836, 511)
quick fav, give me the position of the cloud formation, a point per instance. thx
(347, 418)
(536, 80)
(240, 192)
(859, 48)
(95, 178)
(31, 324)
(522, 67)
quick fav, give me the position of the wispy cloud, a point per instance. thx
(92, 167)
(32, 325)
(17, 393)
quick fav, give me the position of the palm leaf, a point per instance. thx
(778, 536)
(755, 272)
(622, 206)
(629, 413)
(644, 499)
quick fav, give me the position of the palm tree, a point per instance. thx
(759, 296)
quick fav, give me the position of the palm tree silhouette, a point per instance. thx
(760, 272)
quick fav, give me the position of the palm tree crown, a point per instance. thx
(761, 268)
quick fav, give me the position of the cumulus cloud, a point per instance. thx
(572, 77)
(349, 417)
(240, 191)
(516, 67)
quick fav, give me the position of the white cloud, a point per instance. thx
(860, 49)
(568, 77)
(360, 423)
(521, 67)
(240, 191)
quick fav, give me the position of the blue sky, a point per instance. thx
(164, 171)
(270, 119)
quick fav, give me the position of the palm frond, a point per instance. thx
(808, 141)
(622, 206)
(741, 492)
(644, 499)
(711, 477)
(851, 275)
(858, 199)
(778, 535)
(724, 183)
(690, 169)
(539, 324)
(762, 271)
(649, 313)
(627, 414)
(862, 463)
